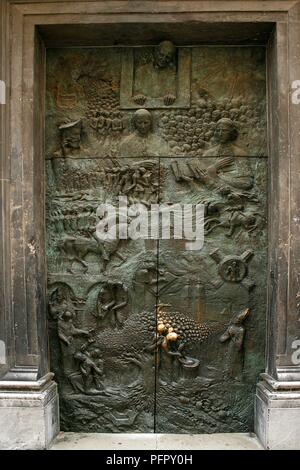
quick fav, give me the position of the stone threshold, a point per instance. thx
(98, 441)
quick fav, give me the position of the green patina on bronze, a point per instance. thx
(146, 335)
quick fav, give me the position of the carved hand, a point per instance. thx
(202, 174)
(140, 99)
(213, 170)
(225, 337)
(64, 339)
(224, 162)
(169, 99)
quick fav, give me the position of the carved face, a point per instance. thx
(67, 316)
(71, 137)
(225, 131)
(57, 296)
(143, 123)
(95, 353)
(164, 54)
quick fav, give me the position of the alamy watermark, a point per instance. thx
(157, 222)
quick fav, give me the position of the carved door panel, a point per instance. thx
(102, 296)
(214, 301)
(147, 333)
(214, 305)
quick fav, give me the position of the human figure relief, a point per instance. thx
(225, 174)
(113, 297)
(66, 329)
(234, 335)
(70, 138)
(229, 175)
(71, 147)
(142, 142)
(91, 369)
(157, 77)
(226, 134)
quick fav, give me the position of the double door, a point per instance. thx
(151, 330)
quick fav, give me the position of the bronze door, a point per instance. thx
(149, 333)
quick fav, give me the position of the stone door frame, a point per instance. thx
(27, 27)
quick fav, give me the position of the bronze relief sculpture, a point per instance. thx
(145, 335)
(143, 142)
(226, 133)
(156, 77)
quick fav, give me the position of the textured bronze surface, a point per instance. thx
(146, 335)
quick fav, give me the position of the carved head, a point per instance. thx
(164, 54)
(226, 131)
(70, 135)
(142, 121)
(95, 353)
(57, 295)
(67, 315)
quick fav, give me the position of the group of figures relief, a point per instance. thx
(146, 327)
(226, 174)
(170, 333)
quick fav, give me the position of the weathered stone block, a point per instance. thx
(29, 419)
(277, 417)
